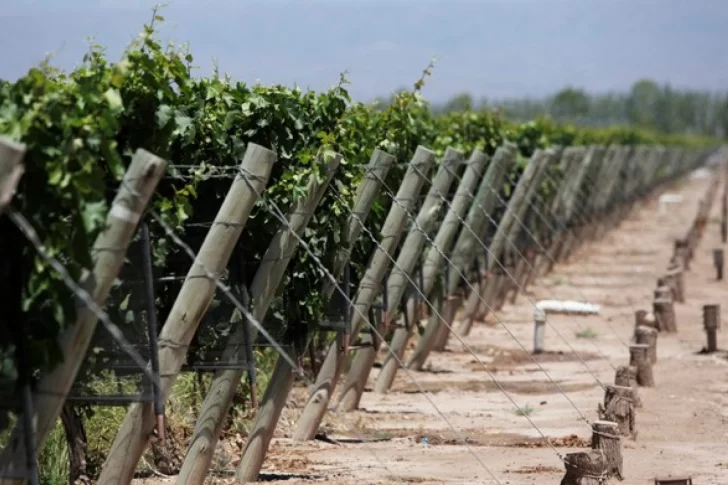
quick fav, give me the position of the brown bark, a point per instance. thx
(606, 439)
(618, 407)
(77, 445)
(664, 311)
(585, 468)
(648, 336)
(626, 376)
(639, 359)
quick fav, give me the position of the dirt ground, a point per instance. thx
(418, 439)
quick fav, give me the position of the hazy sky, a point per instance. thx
(493, 48)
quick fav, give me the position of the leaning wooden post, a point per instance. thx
(397, 284)
(369, 288)
(711, 323)
(11, 169)
(398, 281)
(435, 258)
(618, 407)
(465, 246)
(265, 283)
(515, 207)
(109, 251)
(648, 336)
(718, 263)
(639, 359)
(606, 439)
(281, 381)
(626, 376)
(189, 308)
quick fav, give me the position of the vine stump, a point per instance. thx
(648, 336)
(711, 323)
(677, 282)
(626, 376)
(606, 439)
(718, 263)
(645, 319)
(585, 468)
(664, 311)
(618, 407)
(639, 359)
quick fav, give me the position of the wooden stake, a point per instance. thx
(711, 319)
(619, 407)
(639, 359)
(11, 169)
(718, 263)
(585, 468)
(369, 286)
(189, 308)
(648, 336)
(645, 319)
(626, 376)
(664, 311)
(677, 283)
(109, 251)
(606, 439)
(466, 244)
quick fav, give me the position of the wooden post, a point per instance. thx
(369, 287)
(11, 169)
(638, 359)
(281, 381)
(648, 336)
(606, 439)
(718, 263)
(467, 241)
(682, 252)
(585, 468)
(724, 215)
(664, 311)
(188, 309)
(676, 282)
(397, 284)
(435, 259)
(109, 251)
(539, 320)
(626, 376)
(221, 391)
(618, 407)
(711, 323)
(645, 319)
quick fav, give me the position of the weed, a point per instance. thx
(526, 410)
(587, 334)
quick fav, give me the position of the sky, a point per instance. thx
(492, 49)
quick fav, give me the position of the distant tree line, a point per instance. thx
(647, 105)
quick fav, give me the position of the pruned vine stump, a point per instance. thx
(585, 468)
(606, 439)
(639, 359)
(626, 376)
(648, 336)
(718, 263)
(664, 311)
(676, 281)
(711, 323)
(645, 319)
(618, 407)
